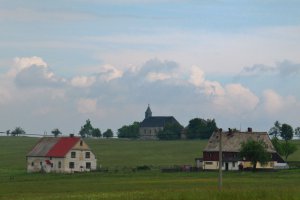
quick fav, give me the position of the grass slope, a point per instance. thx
(15, 183)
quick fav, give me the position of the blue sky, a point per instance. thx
(65, 61)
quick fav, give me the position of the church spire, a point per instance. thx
(148, 112)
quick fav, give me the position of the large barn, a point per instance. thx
(231, 145)
(61, 154)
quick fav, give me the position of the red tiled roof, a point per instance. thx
(62, 147)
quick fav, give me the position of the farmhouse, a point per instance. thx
(231, 144)
(151, 125)
(61, 154)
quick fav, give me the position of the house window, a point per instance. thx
(50, 158)
(87, 154)
(81, 142)
(88, 165)
(145, 131)
(59, 164)
(208, 163)
(73, 154)
(32, 164)
(71, 165)
(51, 165)
(233, 164)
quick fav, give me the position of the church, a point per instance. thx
(151, 125)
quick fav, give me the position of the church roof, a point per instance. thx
(158, 121)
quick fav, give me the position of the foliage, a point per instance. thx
(288, 149)
(56, 132)
(171, 131)
(18, 131)
(277, 145)
(200, 128)
(86, 130)
(255, 151)
(129, 131)
(108, 133)
(286, 132)
(275, 130)
(297, 131)
(96, 132)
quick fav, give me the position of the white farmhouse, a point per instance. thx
(61, 154)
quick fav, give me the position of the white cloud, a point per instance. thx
(83, 81)
(152, 76)
(87, 105)
(25, 62)
(109, 72)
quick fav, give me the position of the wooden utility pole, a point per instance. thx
(220, 160)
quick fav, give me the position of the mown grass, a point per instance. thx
(15, 183)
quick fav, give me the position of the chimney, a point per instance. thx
(71, 135)
(249, 129)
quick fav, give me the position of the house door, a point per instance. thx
(226, 166)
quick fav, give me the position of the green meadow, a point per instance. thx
(121, 182)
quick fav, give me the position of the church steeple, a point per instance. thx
(148, 112)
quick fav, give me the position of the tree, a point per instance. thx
(200, 128)
(171, 131)
(275, 130)
(87, 129)
(8, 132)
(108, 133)
(56, 132)
(96, 133)
(286, 132)
(255, 151)
(277, 145)
(17, 131)
(129, 131)
(288, 149)
(297, 131)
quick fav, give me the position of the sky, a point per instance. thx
(63, 62)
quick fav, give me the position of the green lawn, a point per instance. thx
(114, 154)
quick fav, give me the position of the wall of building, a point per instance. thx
(149, 132)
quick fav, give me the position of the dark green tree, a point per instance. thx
(56, 132)
(286, 132)
(297, 131)
(275, 130)
(200, 128)
(87, 129)
(255, 151)
(96, 133)
(277, 145)
(171, 131)
(18, 131)
(288, 149)
(108, 133)
(129, 131)
(8, 132)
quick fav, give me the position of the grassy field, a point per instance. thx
(15, 183)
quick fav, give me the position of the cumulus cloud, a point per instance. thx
(284, 68)
(109, 72)
(83, 81)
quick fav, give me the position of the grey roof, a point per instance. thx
(43, 146)
(231, 142)
(158, 121)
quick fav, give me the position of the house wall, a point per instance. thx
(51, 164)
(214, 165)
(149, 132)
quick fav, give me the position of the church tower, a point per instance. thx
(148, 112)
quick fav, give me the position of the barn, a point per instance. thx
(231, 145)
(62, 155)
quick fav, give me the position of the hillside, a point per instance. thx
(117, 153)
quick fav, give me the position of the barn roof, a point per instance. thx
(53, 147)
(231, 141)
(158, 121)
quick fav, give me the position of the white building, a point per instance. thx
(61, 154)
